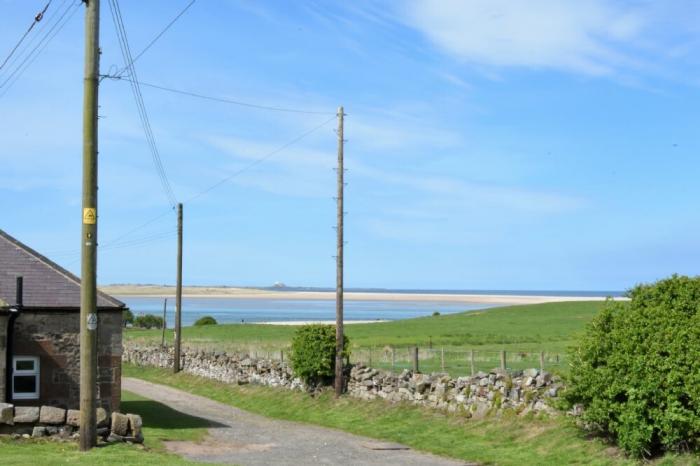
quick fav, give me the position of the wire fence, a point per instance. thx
(456, 362)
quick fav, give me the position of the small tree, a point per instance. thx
(206, 320)
(637, 368)
(313, 353)
(127, 317)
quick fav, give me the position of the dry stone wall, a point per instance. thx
(522, 391)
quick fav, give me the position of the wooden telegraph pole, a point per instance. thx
(165, 309)
(339, 337)
(88, 287)
(178, 292)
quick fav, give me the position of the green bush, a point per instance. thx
(436, 313)
(313, 353)
(206, 320)
(148, 321)
(637, 369)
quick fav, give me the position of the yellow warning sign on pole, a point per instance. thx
(89, 216)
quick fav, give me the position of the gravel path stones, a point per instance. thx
(240, 437)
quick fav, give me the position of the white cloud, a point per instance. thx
(579, 36)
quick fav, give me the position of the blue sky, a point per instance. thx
(491, 144)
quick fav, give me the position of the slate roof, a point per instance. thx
(46, 284)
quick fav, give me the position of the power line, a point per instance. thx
(121, 72)
(221, 99)
(137, 228)
(260, 160)
(138, 97)
(56, 27)
(37, 18)
(128, 233)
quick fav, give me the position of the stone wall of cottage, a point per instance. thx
(55, 338)
(3, 355)
(477, 395)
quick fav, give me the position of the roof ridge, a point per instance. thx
(54, 266)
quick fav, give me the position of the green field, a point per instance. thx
(160, 423)
(521, 331)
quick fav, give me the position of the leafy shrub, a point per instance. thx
(313, 353)
(436, 313)
(206, 320)
(637, 368)
(127, 317)
(148, 321)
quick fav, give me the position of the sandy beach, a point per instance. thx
(151, 291)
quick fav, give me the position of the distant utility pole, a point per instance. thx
(88, 240)
(165, 307)
(178, 292)
(339, 337)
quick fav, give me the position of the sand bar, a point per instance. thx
(148, 291)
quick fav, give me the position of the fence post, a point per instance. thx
(503, 360)
(370, 357)
(282, 355)
(542, 360)
(471, 360)
(393, 358)
(442, 358)
(557, 358)
(415, 359)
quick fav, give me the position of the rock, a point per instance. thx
(514, 394)
(103, 432)
(528, 381)
(66, 431)
(39, 431)
(102, 417)
(135, 424)
(543, 379)
(484, 382)
(480, 375)
(26, 414)
(552, 392)
(7, 414)
(73, 417)
(52, 430)
(120, 424)
(134, 439)
(532, 372)
(52, 415)
(114, 438)
(422, 386)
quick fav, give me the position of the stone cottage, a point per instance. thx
(40, 333)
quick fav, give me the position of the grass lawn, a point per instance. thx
(160, 423)
(507, 440)
(522, 331)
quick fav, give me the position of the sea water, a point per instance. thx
(238, 310)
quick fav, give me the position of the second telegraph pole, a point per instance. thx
(178, 292)
(339, 337)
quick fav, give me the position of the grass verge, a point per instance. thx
(160, 423)
(506, 440)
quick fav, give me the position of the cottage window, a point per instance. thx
(25, 378)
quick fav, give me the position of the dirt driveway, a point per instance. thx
(240, 437)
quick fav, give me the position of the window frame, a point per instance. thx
(36, 373)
